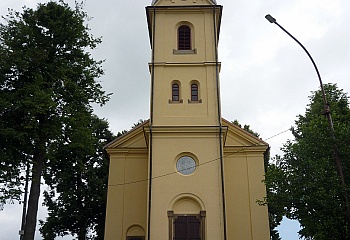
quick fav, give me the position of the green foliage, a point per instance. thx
(304, 184)
(138, 123)
(47, 83)
(246, 128)
(77, 176)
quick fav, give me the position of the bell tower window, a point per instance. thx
(175, 92)
(184, 38)
(194, 92)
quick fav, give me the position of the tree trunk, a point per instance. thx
(82, 231)
(82, 234)
(33, 203)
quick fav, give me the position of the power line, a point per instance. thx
(197, 165)
(289, 129)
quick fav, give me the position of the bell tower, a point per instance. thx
(184, 36)
(185, 131)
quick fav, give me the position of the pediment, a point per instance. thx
(134, 139)
(182, 2)
(237, 137)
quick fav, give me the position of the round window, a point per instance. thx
(186, 165)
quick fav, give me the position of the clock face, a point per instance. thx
(186, 165)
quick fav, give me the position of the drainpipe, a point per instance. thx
(220, 122)
(150, 129)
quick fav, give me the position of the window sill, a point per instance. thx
(199, 101)
(184, 52)
(175, 102)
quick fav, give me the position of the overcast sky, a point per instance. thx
(266, 77)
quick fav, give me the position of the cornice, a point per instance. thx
(154, 2)
(243, 150)
(190, 64)
(185, 129)
(127, 151)
(184, 64)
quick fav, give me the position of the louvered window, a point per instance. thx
(175, 92)
(194, 92)
(184, 38)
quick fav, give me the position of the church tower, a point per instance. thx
(185, 121)
(186, 173)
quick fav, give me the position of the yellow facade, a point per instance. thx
(148, 192)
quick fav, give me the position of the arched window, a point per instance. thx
(135, 232)
(184, 37)
(194, 92)
(175, 92)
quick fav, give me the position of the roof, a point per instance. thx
(155, 1)
(130, 133)
(254, 139)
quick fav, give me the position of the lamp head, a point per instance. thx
(270, 18)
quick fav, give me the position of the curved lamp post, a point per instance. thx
(327, 113)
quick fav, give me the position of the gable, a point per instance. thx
(182, 2)
(134, 139)
(237, 137)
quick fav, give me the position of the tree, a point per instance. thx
(246, 128)
(304, 183)
(47, 83)
(77, 199)
(78, 176)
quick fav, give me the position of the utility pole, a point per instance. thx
(328, 115)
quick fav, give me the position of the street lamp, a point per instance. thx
(327, 113)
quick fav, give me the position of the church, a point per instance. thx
(186, 173)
